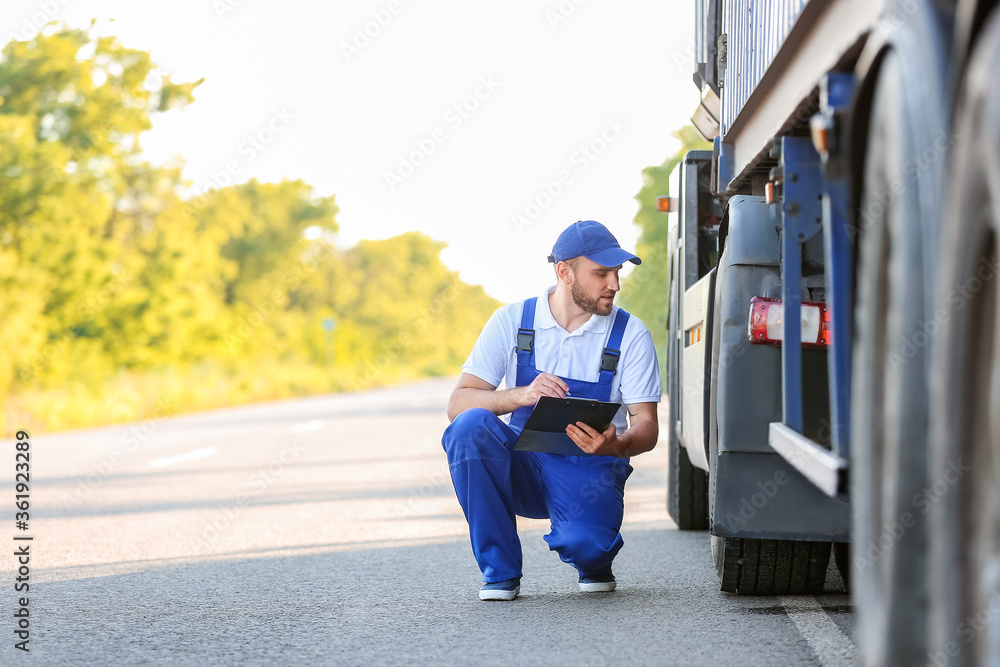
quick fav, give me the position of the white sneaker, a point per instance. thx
(501, 590)
(598, 582)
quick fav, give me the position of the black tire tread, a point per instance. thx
(766, 566)
(842, 556)
(799, 569)
(771, 567)
(783, 566)
(819, 562)
(732, 554)
(749, 565)
(687, 489)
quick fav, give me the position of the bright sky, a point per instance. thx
(487, 125)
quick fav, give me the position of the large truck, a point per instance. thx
(833, 362)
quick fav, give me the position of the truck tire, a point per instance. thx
(842, 556)
(687, 489)
(889, 395)
(963, 491)
(687, 486)
(748, 566)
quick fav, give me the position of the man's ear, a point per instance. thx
(564, 272)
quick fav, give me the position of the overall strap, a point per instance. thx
(525, 349)
(609, 360)
(526, 339)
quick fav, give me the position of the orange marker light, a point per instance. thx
(666, 204)
(819, 127)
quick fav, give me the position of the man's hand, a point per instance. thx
(545, 384)
(591, 441)
(640, 436)
(474, 392)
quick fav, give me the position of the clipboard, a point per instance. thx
(545, 430)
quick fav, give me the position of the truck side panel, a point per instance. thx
(750, 475)
(765, 498)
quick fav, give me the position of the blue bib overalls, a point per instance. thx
(581, 495)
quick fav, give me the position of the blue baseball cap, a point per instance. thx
(590, 239)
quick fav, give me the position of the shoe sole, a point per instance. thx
(495, 595)
(602, 587)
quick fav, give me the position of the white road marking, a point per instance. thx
(308, 426)
(831, 646)
(184, 458)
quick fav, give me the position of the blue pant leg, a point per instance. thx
(586, 505)
(486, 477)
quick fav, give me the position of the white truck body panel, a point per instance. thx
(694, 343)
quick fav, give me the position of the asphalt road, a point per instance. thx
(325, 531)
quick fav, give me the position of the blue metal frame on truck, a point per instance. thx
(815, 200)
(837, 91)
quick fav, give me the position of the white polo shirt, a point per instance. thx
(575, 355)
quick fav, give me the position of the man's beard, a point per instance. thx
(589, 304)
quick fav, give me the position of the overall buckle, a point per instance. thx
(609, 361)
(525, 340)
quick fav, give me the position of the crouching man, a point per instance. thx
(569, 341)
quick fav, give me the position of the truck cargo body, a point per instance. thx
(853, 197)
(773, 57)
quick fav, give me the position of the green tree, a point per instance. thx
(271, 282)
(72, 108)
(644, 292)
(108, 274)
(410, 310)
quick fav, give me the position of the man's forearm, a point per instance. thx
(640, 437)
(497, 401)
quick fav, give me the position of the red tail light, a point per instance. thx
(767, 321)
